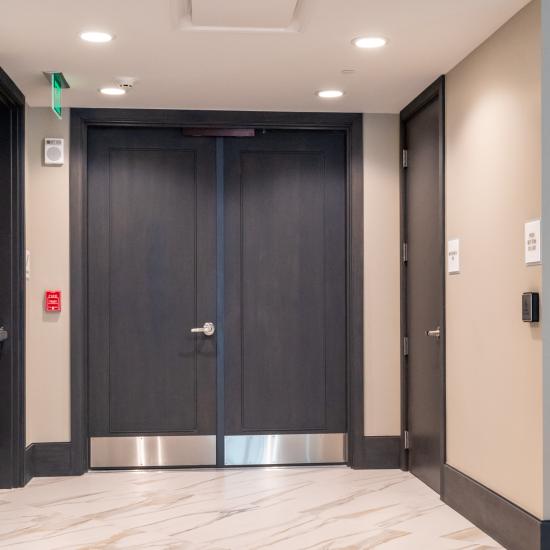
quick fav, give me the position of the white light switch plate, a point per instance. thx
(453, 256)
(27, 264)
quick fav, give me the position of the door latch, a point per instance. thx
(436, 333)
(207, 329)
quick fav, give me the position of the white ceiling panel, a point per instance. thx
(267, 14)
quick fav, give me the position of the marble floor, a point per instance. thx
(278, 508)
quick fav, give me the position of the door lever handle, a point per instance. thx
(207, 329)
(436, 333)
(3, 334)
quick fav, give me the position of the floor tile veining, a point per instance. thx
(333, 508)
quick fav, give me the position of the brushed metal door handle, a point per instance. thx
(435, 333)
(207, 329)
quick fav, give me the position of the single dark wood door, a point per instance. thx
(6, 298)
(152, 278)
(12, 284)
(424, 292)
(285, 284)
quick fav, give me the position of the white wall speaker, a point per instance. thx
(53, 152)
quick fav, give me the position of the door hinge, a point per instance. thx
(405, 158)
(405, 253)
(406, 440)
(406, 345)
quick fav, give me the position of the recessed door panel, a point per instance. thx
(153, 291)
(282, 304)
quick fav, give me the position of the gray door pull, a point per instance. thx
(3, 334)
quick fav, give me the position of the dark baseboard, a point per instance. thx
(507, 523)
(55, 459)
(27, 464)
(378, 453)
(48, 459)
(545, 535)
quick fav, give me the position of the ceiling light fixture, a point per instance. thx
(112, 91)
(369, 42)
(96, 36)
(330, 94)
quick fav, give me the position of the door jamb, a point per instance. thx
(350, 123)
(11, 96)
(434, 92)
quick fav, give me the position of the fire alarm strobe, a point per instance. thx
(52, 300)
(53, 152)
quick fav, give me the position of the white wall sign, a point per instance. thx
(532, 242)
(453, 256)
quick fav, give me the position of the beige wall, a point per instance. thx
(494, 360)
(48, 339)
(382, 265)
(47, 235)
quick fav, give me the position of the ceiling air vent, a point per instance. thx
(238, 15)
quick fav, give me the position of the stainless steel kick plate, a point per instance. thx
(247, 450)
(152, 451)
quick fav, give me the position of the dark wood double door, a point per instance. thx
(247, 234)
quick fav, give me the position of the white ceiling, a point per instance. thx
(182, 66)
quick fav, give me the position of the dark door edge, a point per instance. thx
(82, 119)
(434, 92)
(220, 303)
(11, 96)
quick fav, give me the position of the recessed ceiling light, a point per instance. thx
(330, 94)
(112, 91)
(369, 42)
(96, 36)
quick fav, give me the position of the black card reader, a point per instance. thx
(530, 307)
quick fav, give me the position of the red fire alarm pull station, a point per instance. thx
(52, 300)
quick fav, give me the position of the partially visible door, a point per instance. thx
(152, 279)
(424, 288)
(12, 284)
(285, 291)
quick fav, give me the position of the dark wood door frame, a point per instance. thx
(82, 119)
(12, 419)
(434, 92)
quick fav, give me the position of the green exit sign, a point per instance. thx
(57, 83)
(57, 86)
